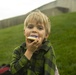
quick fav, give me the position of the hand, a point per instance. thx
(33, 46)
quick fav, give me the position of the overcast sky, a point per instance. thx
(11, 8)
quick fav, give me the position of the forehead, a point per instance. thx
(36, 22)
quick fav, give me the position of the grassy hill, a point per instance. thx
(62, 37)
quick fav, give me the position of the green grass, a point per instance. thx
(62, 37)
(9, 39)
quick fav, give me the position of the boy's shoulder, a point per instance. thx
(46, 46)
(49, 49)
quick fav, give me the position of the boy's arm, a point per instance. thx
(18, 62)
(50, 62)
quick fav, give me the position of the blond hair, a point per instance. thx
(39, 17)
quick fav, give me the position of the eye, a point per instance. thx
(30, 26)
(40, 27)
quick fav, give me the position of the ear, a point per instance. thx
(24, 32)
(46, 36)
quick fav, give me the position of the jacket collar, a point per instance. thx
(45, 46)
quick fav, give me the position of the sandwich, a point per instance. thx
(32, 38)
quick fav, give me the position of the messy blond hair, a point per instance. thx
(39, 17)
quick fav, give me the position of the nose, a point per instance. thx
(34, 29)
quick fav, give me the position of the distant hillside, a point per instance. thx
(54, 8)
(62, 37)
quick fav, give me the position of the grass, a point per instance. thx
(62, 37)
(9, 39)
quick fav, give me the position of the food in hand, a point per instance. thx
(32, 38)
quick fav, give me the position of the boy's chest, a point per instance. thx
(37, 63)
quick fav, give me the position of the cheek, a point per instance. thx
(43, 34)
(26, 32)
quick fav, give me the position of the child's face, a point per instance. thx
(35, 29)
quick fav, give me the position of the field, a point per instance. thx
(62, 37)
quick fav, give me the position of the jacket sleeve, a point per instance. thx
(18, 62)
(50, 62)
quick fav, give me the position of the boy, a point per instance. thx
(36, 56)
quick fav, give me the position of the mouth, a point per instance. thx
(32, 38)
